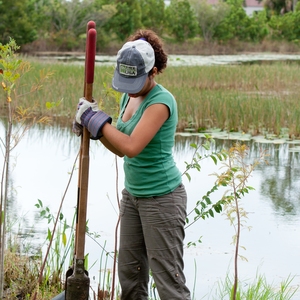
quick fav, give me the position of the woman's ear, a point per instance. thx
(153, 72)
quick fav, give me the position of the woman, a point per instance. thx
(153, 206)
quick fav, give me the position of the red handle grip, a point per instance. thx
(90, 55)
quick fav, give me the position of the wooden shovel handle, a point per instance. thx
(84, 151)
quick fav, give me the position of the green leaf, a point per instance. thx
(219, 156)
(207, 200)
(208, 136)
(188, 176)
(218, 208)
(211, 213)
(189, 244)
(206, 146)
(49, 105)
(86, 261)
(224, 155)
(66, 226)
(203, 204)
(64, 239)
(214, 159)
(49, 235)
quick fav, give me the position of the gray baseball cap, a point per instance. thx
(134, 61)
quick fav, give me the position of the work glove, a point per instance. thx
(89, 116)
(82, 105)
(77, 128)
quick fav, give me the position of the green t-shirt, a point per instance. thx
(153, 172)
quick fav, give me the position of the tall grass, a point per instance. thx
(258, 289)
(257, 98)
(237, 97)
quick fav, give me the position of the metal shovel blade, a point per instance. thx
(60, 296)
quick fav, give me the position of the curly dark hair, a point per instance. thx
(152, 38)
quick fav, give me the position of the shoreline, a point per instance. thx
(187, 48)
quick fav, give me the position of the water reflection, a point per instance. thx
(281, 181)
(43, 161)
(280, 172)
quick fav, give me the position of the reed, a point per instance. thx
(254, 98)
(237, 98)
(258, 289)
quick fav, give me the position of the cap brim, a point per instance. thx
(129, 85)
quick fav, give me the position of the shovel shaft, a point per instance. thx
(90, 25)
(84, 159)
(77, 280)
(77, 283)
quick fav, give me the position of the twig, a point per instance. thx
(54, 228)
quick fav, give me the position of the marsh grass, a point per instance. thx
(21, 273)
(260, 98)
(258, 289)
(255, 98)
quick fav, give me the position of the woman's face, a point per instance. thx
(148, 86)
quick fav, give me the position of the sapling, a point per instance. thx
(235, 177)
(205, 207)
(18, 120)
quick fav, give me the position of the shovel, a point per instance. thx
(77, 280)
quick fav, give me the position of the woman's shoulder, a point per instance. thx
(162, 95)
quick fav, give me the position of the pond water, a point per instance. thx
(191, 60)
(41, 166)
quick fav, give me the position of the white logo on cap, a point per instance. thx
(127, 70)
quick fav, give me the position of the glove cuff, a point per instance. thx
(96, 122)
(86, 116)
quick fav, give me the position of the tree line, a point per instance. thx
(61, 24)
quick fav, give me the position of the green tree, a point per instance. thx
(277, 7)
(68, 21)
(257, 28)
(153, 15)
(235, 24)
(102, 13)
(285, 27)
(16, 21)
(126, 20)
(38, 10)
(180, 19)
(209, 16)
(62, 23)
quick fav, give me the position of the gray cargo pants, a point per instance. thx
(151, 235)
